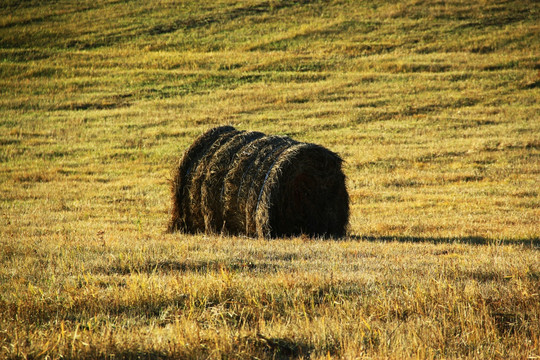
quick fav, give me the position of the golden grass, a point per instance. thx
(155, 295)
(433, 106)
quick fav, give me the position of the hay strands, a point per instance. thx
(249, 183)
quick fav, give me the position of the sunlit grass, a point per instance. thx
(432, 105)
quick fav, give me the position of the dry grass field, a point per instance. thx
(433, 105)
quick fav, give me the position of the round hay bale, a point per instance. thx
(182, 177)
(213, 186)
(256, 185)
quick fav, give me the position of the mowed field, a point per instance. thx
(433, 105)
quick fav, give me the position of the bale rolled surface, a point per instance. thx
(239, 182)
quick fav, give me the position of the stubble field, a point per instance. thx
(433, 106)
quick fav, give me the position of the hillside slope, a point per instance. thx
(432, 104)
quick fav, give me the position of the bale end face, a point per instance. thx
(306, 194)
